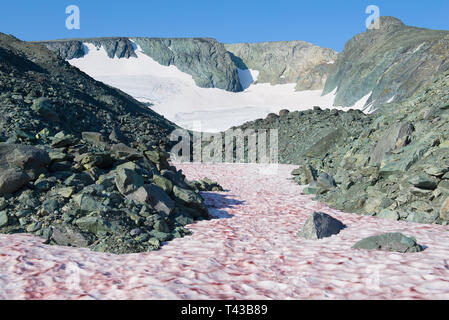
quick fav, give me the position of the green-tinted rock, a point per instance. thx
(3, 218)
(396, 242)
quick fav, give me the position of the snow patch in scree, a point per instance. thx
(176, 96)
(249, 251)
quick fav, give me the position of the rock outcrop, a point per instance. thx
(285, 62)
(391, 62)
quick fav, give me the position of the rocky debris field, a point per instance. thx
(250, 249)
(396, 168)
(393, 164)
(90, 193)
(83, 164)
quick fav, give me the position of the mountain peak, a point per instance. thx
(387, 22)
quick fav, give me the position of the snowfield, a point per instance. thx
(249, 251)
(176, 96)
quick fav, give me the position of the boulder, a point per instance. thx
(188, 197)
(94, 138)
(128, 181)
(99, 160)
(61, 140)
(400, 163)
(93, 224)
(23, 157)
(88, 203)
(155, 196)
(3, 219)
(326, 181)
(164, 183)
(283, 112)
(122, 151)
(159, 158)
(44, 108)
(66, 235)
(388, 214)
(390, 139)
(396, 242)
(12, 180)
(320, 225)
(323, 145)
(423, 181)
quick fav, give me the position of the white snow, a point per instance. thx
(176, 96)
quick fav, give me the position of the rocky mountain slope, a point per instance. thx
(83, 164)
(286, 62)
(392, 63)
(393, 164)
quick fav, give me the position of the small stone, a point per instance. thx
(135, 232)
(444, 210)
(388, 214)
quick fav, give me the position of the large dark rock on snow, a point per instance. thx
(320, 225)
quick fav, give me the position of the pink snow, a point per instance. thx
(250, 251)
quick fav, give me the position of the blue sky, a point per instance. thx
(325, 23)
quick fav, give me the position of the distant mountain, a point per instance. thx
(286, 62)
(391, 63)
(206, 60)
(215, 65)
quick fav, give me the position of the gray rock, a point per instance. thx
(44, 108)
(66, 235)
(320, 225)
(12, 180)
(23, 157)
(389, 242)
(444, 210)
(155, 196)
(128, 181)
(79, 179)
(94, 138)
(389, 141)
(326, 181)
(424, 181)
(164, 183)
(88, 203)
(93, 224)
(3, 219)
(187, 196)
(388, 214)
